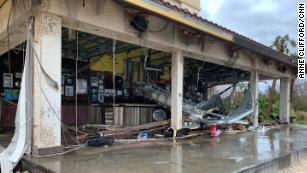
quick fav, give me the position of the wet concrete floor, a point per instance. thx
(229, 153)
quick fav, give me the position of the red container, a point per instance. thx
(213, 130)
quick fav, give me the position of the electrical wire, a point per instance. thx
(161, 29)
(76, 78)
(8, 36)
(64, 152)
(149, 30)
(113, 63)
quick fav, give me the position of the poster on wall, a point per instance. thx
(69, 91)
(11, 94)
(69, 82)
(81, 86)
(7, 80)
(18, 75)
(94, 81)
(94, 96)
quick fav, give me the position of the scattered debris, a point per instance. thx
(142, 135)
(128, 132)
(99, 140)
(169, 132)
(214, 132)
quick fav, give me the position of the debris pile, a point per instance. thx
(106, 135)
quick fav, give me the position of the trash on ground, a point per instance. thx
(99, 140)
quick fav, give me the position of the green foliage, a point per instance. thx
(301, 122)
(282, 44)
(299, 103)
(263, 104)
(300, 115)
(275, 107)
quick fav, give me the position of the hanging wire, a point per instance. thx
(8, 36)
(76, 78)
(197, 81)
(113, 63)
(23, 52)
(57, 115)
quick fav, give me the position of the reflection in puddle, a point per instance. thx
(203, 154)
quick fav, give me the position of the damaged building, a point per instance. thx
(67, 65)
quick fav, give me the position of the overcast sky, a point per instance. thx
(261, 20)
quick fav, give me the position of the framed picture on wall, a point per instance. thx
(69, 91)
(7, 80)
(11, 94)
(69, 82)
(81, 86)
(18, 75)
(94, 81)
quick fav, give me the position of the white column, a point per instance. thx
(284, 106)
(46, 84)
(254, 80)
(177, 89)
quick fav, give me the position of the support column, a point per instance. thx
(177, 89)
(284, 106)
(46, 84)
(254, 80)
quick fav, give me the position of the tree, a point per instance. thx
(281, 44)
(292, 82)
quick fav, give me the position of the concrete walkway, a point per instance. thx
(229, 153)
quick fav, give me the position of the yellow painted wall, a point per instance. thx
(105, 63)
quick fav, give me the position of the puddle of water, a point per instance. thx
(203, 154)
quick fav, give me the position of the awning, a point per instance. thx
(179, 17)
(184, 17)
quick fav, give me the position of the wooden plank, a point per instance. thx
(132, 130)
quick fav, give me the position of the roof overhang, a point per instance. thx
(179, 17)
(192, 21)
